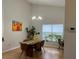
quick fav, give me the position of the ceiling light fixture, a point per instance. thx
(37, 17)
(34, 17)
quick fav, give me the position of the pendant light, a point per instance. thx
(37, 16)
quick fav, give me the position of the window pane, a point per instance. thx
(46, 28)
(59, 29)
(53, 32)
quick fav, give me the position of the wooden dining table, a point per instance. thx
(31, 44)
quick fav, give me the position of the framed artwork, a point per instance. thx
(16, 26)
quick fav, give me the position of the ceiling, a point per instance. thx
(48, 2)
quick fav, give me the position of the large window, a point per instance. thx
(52, 32)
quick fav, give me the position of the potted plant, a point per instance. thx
(31, 32)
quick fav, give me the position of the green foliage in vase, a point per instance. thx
(31, 32)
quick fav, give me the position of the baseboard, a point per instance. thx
(10, 49)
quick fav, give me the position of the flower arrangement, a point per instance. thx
(31, 32)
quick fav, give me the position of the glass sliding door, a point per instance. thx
(52, 32)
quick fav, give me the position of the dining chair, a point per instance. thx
(23, 48)
(42, 45)
(39, 45)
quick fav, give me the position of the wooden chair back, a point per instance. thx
(42, 43)
(39, 45)
(23, 46)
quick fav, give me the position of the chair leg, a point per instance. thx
(43, 49)
(20, 54)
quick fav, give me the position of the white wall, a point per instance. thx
(18, 10)
(70, 37)
(50, 15)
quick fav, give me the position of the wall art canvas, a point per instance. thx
(16, 26)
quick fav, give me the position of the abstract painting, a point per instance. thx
(16, 26)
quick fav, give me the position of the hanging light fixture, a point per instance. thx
(34, 17)
(37, 17)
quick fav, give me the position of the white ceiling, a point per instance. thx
(48, 2)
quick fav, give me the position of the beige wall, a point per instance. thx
(50, 15)
(70, 37)
(18, 10)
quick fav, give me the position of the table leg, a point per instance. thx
(29, 52)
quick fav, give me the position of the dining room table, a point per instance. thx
(31, 46)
